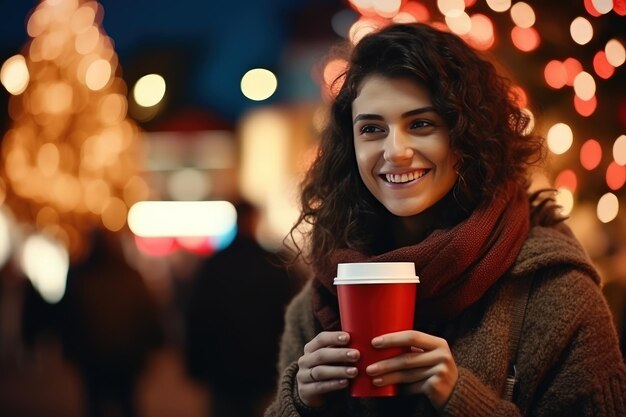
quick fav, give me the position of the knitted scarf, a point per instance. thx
(456, 266)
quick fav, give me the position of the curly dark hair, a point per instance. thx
(487, 129)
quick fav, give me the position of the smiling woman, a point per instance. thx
(425, 159)
(402, 145)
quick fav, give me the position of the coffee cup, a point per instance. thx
(375, 298)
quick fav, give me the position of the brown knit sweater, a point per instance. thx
(569, 362)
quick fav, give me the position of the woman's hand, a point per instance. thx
(428, 368)
(325, 367)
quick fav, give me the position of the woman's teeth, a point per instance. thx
(402, 178)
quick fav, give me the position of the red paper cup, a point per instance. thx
(374, 299)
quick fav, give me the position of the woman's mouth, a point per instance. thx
(404, 178)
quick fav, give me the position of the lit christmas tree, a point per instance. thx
(70, 158)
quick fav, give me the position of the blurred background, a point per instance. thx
(147, 146)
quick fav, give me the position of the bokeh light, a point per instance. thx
(573, 67)
(581, 30)
(525, 39)
(608, 207)
(555, 74)
(499, 5)
(451, 8)
(602, 66)
(14, 74)
(259, 84)
(615, 176)
(585, 107)
(584, 86)
(523, 14)
(603, 6)
(565, 198)
(149, 90)
(481, 36)
(566, 179)
(560, 138)
(615, 52)
(590, 154)
(619, 150)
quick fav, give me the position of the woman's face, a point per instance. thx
(402, 145)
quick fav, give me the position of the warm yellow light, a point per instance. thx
(460, 24)
(258, 84)
(584, 86)
(560, 138)
(114, 214)
(565, 199)
(181, 218)
(57, 97)
(14, 75)
(581, 30)
(48, 159)
(82, 19)
(45, 263)
(499, 5)
(149, 90)
(619, 150)
(615, 52)
(98, 74)
(361, 28)
(451, 8)
(387, 8)
(608, 207)
(523, 15)
(86, 42)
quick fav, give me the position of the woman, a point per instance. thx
(426, 159)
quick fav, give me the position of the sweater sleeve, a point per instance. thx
(299, 329)
(569, 360)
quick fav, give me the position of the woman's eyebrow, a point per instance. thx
(419, 111)
(367, 116)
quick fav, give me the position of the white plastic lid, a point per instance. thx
(376, 273)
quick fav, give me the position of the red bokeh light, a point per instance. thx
(591, 9)
(573, 67)
(417, 10)
(602, 66)
(590, 154)
(566, 179)
(525, 39)
(585, 107)
(615, 176)
(156, 246)
(619, 7)
(555, 74)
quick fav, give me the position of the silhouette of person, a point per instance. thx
(109, 325)
(234, 319)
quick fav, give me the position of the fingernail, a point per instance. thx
(372, 369)
(352, 354)
(342, 337)
(377, 381)
(351, 371)
(343, 381)
(377, 341)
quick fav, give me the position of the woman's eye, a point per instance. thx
(420, 123)
(370, 129)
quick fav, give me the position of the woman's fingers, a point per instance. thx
(409, 338)
(325, 366)
(325, 339)
(409, 361)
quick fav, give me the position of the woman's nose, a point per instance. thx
(397, 146)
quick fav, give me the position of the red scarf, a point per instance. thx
(456, 266)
